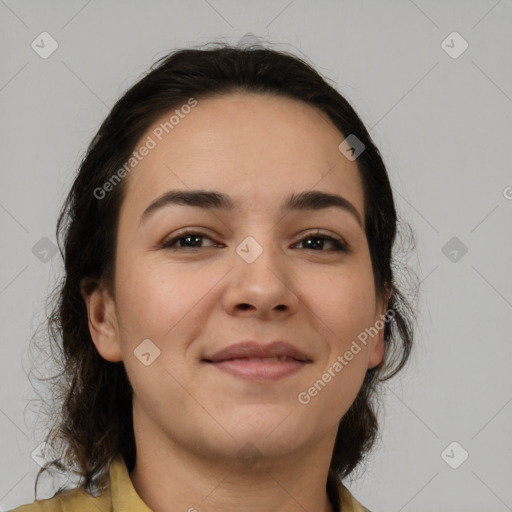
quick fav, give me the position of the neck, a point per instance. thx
(170, 478)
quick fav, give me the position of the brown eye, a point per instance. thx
(191, 240)
(319, 242)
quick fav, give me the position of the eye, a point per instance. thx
(191, 240)
(337, 243)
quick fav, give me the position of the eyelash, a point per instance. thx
(168, 244)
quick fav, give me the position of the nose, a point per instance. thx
(261, 288)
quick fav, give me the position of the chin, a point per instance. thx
(274, 432)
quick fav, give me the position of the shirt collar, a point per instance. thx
(340, 495)
(124, 495)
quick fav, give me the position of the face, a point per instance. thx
(255, 272)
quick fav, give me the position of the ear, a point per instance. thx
(377, 346)
(103, 324)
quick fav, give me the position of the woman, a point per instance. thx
(229, 306)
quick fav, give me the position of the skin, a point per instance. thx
(191, 419)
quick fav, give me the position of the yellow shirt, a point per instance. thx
(123, 497)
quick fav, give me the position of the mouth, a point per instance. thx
(253, 361)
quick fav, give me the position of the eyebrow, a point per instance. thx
(308, 200)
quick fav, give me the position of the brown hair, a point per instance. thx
(91, 407)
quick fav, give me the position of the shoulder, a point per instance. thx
(75, 500)
(349, 503)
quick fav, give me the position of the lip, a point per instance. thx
(246, 360)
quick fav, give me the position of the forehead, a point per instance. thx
(256, 147)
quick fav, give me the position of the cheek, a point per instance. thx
(160, 300)
(344, 306)
(343, 303)
(156, 303)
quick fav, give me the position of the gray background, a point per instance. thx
(443, 125)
